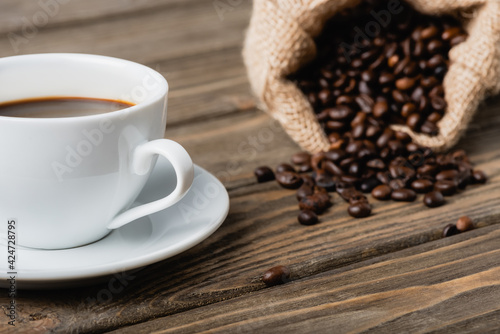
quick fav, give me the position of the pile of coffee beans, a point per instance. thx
(397, 170)
(361, 82)
(378, 66)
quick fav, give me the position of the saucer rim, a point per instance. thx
(104, 270)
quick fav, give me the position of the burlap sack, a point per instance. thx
(280, 40)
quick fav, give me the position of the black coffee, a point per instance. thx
(52, 107)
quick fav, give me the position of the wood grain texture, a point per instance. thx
(446, 286)
(261, 231)
(212, 114)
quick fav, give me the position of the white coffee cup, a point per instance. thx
(69, 181)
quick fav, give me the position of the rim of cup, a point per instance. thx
(153, 98)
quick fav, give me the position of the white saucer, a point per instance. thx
(145, 241)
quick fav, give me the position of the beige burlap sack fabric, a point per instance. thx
(280, 39)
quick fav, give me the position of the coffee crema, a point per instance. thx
(56, 107)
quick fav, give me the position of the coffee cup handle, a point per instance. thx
(141, 163)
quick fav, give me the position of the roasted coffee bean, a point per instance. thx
(464, 223)
(418, 92)
(317, 202)
(403, 195)
(478, 176)
(317, 160)
(412, 147)
(304, 191)
(405, 83)
(422, 186)
(438, 103)
(433, 199)
(368, 184)
(264, 174)
(335, 125)
(399, 97)
(376, 164)
(435, 46)
(429, 32)
(437, 91)
(345, 190)
(451, 174)
(397, 184)
(325, 96)
(304, 168)
(457, 40)
(364, 88)
(307, 217)
(408, 109)
(400, 67)
(434, 117)
(429, 128)
(382, 192)
(359, 118)
(276, 275)
(355, 169)
(340, 113)
(446, 187)
(334, 137)
(372, 131)
(386, 78)
(428, 170)
(289, 180)
(324, 180)
(450, 33)
(354, 147)
(350, 179)
(358, 130)
(413, 121)
(335, 155)
(385, 137)
(380, 109)
(359, 209)
(345, 100)
(301, 158)
(284, 167)
(384, 177)
(402, 136)
(449, 230)
(365, 102)
(368, 76)
(435, 61)
(357, 197)
(308, 180)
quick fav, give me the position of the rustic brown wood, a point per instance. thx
(451, 285)
(212, 113)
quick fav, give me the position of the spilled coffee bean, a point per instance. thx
(449, 230)
(276, 275)
(434, 199)
(307, 217)
(289, 180)
(264, 174)
(464, 223)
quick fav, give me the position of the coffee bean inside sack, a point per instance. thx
(376, 67)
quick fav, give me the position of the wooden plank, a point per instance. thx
(450, 286)
(261, 231)
(146, 37)
(17, 14)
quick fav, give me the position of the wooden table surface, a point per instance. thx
(389, 273)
